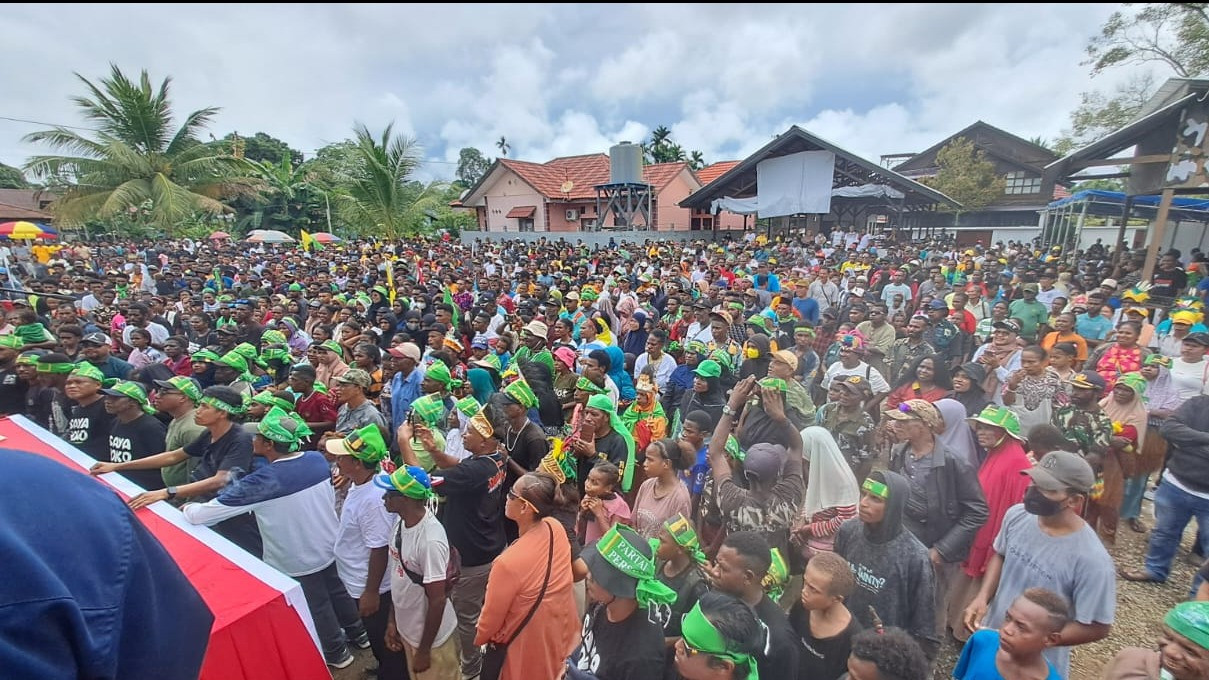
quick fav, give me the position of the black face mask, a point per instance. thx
(1035, 503)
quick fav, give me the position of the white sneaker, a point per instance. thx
(346, 659)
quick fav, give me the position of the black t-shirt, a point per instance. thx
(530, 447)
(610, 447)
(821, 659)
(232, 451)
(474, 519)
(12, 393)
(630, 650)
(1168, 284)
(782, 658)
(139, 438)
(88, 429)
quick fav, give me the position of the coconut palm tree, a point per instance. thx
(696, 160)
(381, 198)
(502, 144)
(136, 158)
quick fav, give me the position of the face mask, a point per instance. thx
(1035, 503)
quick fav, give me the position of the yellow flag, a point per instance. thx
(307, 241)
(390, 279)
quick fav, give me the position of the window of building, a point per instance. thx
(1019, 183)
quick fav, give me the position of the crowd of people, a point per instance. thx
(813, 456)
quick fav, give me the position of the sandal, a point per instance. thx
(1136, 525)
(1137, 576)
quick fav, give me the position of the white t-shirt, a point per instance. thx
(424, 548)
(1189, 379)
(364, 525)
(876, 381)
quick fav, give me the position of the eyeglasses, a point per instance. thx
(513, 495)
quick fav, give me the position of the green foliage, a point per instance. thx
(136, 160)
(288, 198)
(379, 197)
(966, 176)
(472, 165)
(260, 147)
(1099, 114)
(1111, 184)
(1173, 34)
(503, 145)
(661, 149)
(12, 178)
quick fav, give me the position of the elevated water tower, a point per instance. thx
(626, 197)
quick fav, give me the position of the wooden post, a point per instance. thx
(1156, 234)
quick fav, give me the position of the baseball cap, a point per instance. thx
(938, 304)
(787, 357)
(97, 338)
(406, 350)
(356, 376)
(1007, 325)
(1061, 470)
(1109, 283)
(438, 327)
(1031, 288)
(1199, 338)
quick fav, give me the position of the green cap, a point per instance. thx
(468, 406)
(295, 287)
(708, 369)
(1000, 416)
(1191, 620)
(11, 342)
(186, 386)
(332, 346)
(125, 388)
(364, 444)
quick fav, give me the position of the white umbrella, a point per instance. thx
(269, 236)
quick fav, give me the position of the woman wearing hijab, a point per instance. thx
(625, 384)
(967, 387)
(756, 356)
(549, 408)
(957, 435)
(1162, 398)
(634, 340)
(831, 494)
(707, 395)
(998, 432)
(681, 380)
(1125, 407)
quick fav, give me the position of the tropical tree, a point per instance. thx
(380, 197)
(966, 175)
(696, 160)
(288, 199)
(136, 157)
(660, 148)
(503, 146)
(259, 147)
(472, 165)
(12, 178)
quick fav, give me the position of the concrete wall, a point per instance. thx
(591, 238)
(504, 194)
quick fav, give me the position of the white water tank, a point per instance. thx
(625, 163)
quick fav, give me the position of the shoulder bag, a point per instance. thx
(495, 653)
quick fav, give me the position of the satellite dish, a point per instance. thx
(567, 187)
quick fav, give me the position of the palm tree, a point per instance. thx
(288, 197)
(136, 159)
(696, 160)
(502, 144)
(380, 197)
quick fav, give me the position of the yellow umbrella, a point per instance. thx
(26, 230)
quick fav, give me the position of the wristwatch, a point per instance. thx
(728, 411)
(171, 490)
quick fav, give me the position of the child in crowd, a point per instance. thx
(1032, 624)
(143, 353)
(822, 622)
(602, 506)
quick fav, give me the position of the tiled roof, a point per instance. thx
(8, 211)
(522, 211)
(584, 173)
(712, 172)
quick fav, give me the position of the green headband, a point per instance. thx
(274, 428)
(778, 575)
(87, 370)
(205, 355)
(404, 481)
(132, 391)
(271, 400)
(187, 387)
(585, 385)
(629, 560)
(682, 532)
(11, 342)
(44, 367)
(700, 634)
(1190, 619)
(214, 402)
(439, 372)
(876, 488)
(601, 402)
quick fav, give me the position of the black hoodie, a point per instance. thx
(892, 569)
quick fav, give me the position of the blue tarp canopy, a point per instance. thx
(1109, 203)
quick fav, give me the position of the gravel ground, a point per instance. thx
(1140, 606)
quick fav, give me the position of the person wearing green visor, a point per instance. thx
(720, 639)
(136, 433)
(1183, 649)
(293, 503)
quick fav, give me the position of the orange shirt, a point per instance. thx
(1054, 337)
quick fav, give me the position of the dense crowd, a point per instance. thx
(799, 457)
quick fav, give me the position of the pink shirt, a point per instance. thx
(615, 510)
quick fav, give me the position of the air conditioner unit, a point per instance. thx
(572, 215)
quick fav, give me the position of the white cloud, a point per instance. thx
(570, 79)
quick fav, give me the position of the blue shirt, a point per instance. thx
(808, 308)
(403, 391)
(977, 660)
(1092, 327)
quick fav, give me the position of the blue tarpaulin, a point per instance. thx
(1110, 203)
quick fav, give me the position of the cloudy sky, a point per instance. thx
(567, 79)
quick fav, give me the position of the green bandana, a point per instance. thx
(585, 385)
(364, 444)
(876, 488)
(602, 402)
(520, 392)
(274, 354)
(722, 356)
(1190, 619)
(273, 337)
(1135, 382)
(271, 400)
(778, 575)
(410, 481)
(545, 358)
(439, 372)
(732, 449)
(468, 406)
(87, 370)
(245, 350)
(699, 634)
(186, 387)
(685, 536)
(236, 361)
(492, 361)
(588, 294)
(283, 428)
(205, 355)
(11, 342)
(214, 402)
(45, 367)
(774, 384)
(125, 388)
(620, 552)
(429, 409)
